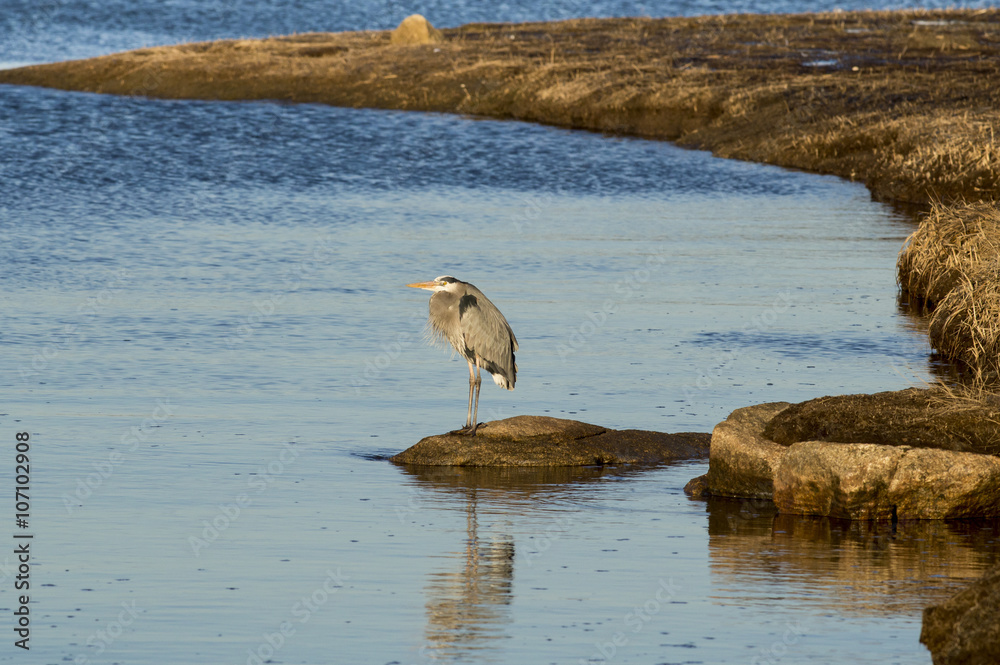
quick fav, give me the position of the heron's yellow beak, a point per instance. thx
(423, 285)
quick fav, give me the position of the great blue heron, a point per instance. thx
(462, 315)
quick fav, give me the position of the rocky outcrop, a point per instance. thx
(543, 441)
(937, 483)
(867, 481)
(742, 461)
(855, 480)
(415, 29)
(965, 629)
(848, 480)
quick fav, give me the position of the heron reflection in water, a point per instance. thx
(469, 608)
(475, 328)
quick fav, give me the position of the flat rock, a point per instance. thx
(544, 441)
(965, 629)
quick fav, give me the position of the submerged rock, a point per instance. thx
(965, 629)
(544, 441)
(878, 479)
(697, 487)
(415, 29)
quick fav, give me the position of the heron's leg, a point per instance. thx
(475, 412)
(472, 382)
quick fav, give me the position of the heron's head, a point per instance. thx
(442, 283)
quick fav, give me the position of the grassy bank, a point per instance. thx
(952, 262)
(906, 102)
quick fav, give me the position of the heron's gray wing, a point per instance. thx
(488, 336)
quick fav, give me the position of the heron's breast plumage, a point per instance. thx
(444, 320)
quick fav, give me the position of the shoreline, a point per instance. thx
(906, 101)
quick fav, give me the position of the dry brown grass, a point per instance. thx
(962, 398)
(907, 102)
(974, 408)
(951, 243)
(966, 323)
(953, 262)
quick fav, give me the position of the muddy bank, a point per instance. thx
(903, 101)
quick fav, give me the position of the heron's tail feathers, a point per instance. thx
(502, 376)
(502, 381)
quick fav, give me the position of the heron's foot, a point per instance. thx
(466, 431)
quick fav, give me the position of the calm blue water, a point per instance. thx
(208, 337)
